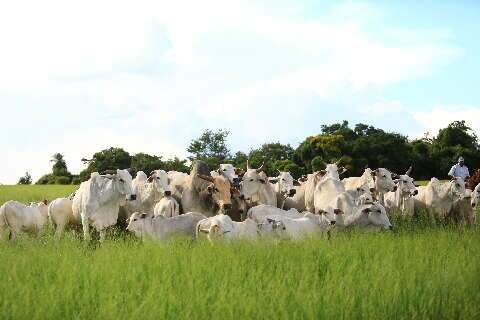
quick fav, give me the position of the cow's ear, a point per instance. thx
(374, 173)
(262, 181)
(150, 179)
(296, 183)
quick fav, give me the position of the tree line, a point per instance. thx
(356, 147)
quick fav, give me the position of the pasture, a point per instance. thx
(418, 271)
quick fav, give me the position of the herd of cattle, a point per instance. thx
(234, 204)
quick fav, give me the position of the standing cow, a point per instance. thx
(98, 200)
(204, 193)
(18, 217)
(256, 189)
(402, 198)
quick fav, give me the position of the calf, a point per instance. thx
(17, 217)
(161, 228)
(167, 207)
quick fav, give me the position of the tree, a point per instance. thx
(26, 179)
(210, 147)
(146, 163)
(59, 167)
(108, 159)
(274, 156)
(176, 164)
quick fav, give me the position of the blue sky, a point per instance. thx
(77, 77)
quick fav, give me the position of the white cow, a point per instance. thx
(256, 188)
(17, 217)
(326, 190)
(476, 197)
(366, 180)
(148, 191)
(297, 201)
(61, 215)
(463, 212)
(402, 198)
(167, 207)
(284, 186)
(438, 197)
(222, 226)
(369, 216)
(161, 228)
(260, 212)
(98, 200)
(298, 228)
(347, 204)
(383, 183)
(228, 171)
(310, 185)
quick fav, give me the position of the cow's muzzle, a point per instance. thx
(168, 193)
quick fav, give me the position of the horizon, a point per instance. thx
(266, 72)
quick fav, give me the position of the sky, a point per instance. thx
(149, 76)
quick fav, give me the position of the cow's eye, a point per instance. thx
(122, 181)
(135, 220)
(384, 176)
(224, 169)
(458, 185)
(251, 180)
(216, 190)
(283, 180)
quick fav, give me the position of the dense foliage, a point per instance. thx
(357, 147)
(26, 179)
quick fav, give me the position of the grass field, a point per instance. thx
(416, 272)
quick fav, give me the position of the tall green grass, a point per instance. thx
(416, 272)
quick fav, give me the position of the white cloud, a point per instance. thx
(439, 117)
(385, 107)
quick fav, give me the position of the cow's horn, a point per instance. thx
(248, 165)
(409, 171)
(206, 178)
(261, 167)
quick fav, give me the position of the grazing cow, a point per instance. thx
(366, 179)
(326, 190)
(284, 186)
(402, 198)
(298, 228)
(161, 228)
(260, 212)
(463, 213)
(98, 200)
(204, 193)
(61, 215)
(255, 187)
(167, 207)
(369, 216)
(148, 191)
(383, 183)
(18, 217)
(222, 226)
(438, 197)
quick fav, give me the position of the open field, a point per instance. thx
(418, 271)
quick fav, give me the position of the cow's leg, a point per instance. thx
(86, 228)
(12, 236)
(103, 233)
(59, 231)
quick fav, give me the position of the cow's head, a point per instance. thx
(365, 198)
(219, 191)
(457, 186)
(377, 216)
(406, 185)
(159, 180)
(137, 223)
(369, 179)
(252, 182)
(229, 172)
(383, 180)
(122, 182)
(285, 184)
(333, 170)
